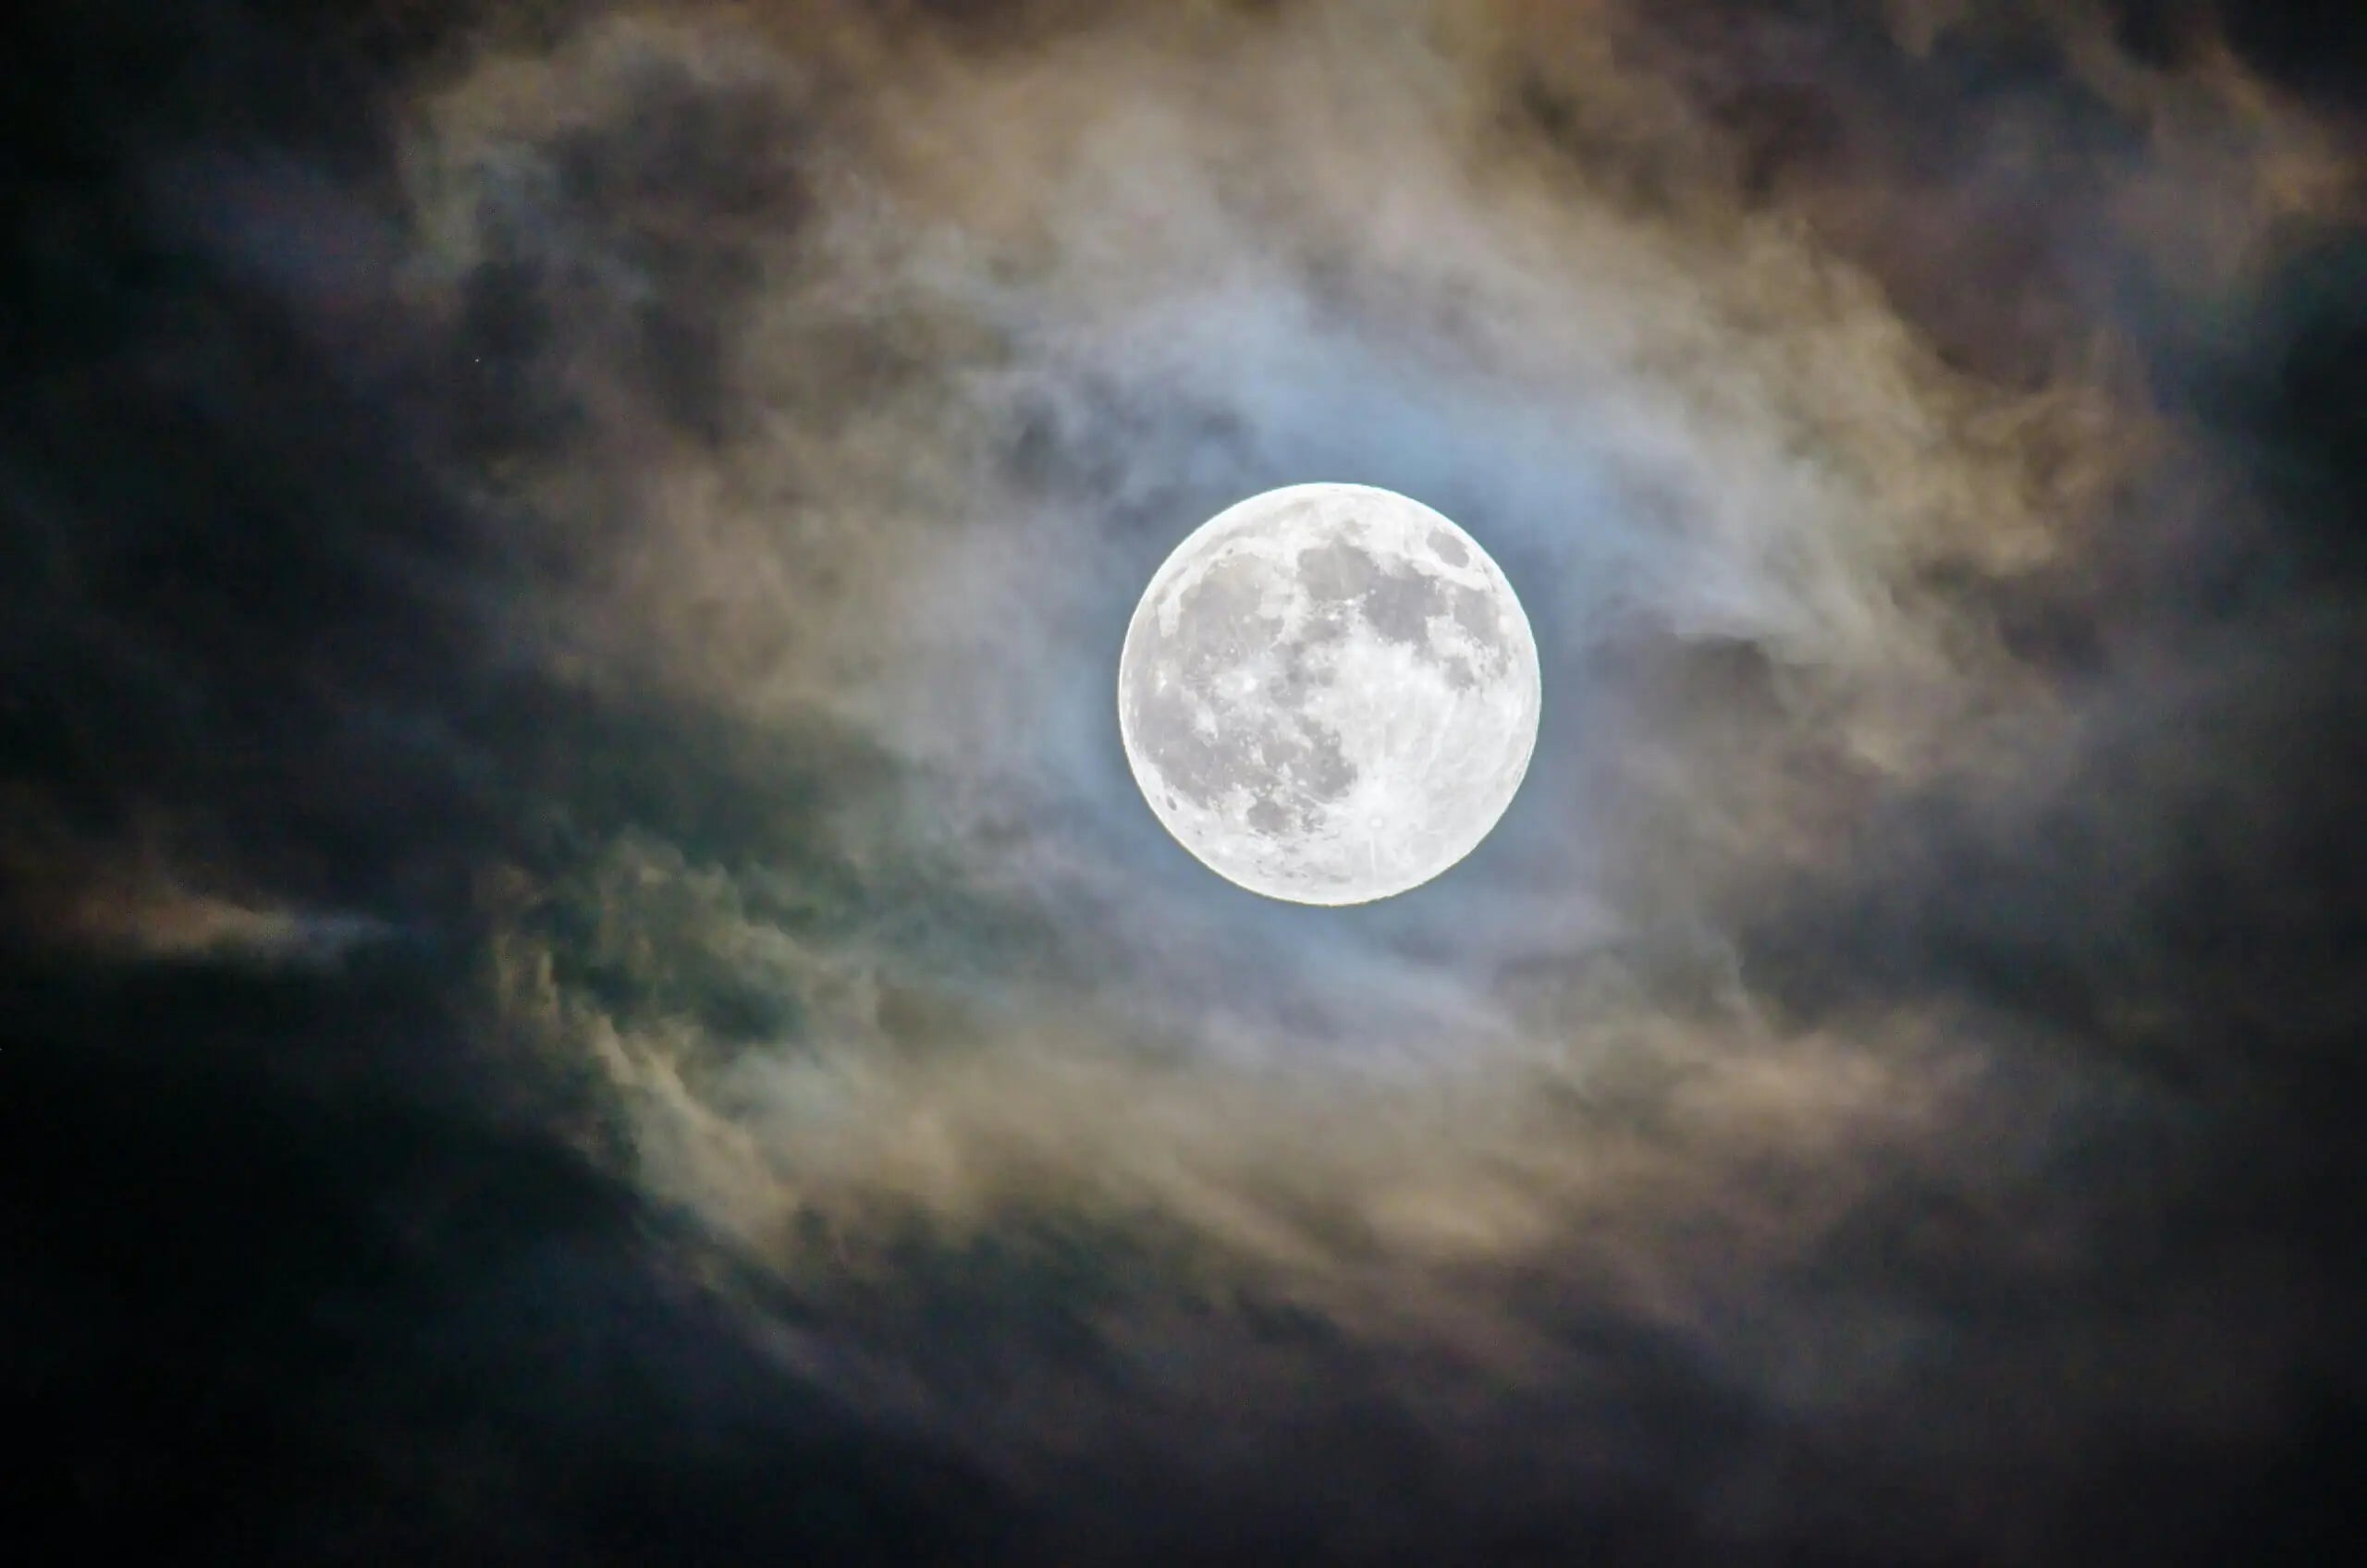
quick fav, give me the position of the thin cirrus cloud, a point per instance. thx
(1838, 995)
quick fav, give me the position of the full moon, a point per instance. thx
(1328, 693)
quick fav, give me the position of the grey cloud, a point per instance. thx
(1880, 1077)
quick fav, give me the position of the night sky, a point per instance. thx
(583, 980)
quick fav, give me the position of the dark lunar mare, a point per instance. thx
(1219, 628)
(1400, 601)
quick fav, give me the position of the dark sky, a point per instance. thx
(583, 981)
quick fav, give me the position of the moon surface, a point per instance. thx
(1328, 693)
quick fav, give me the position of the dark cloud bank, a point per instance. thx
(581, 979)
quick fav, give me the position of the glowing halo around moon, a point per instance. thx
(1328, 693)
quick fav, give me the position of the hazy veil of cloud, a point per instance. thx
(1839, 989)
(1026, 318)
